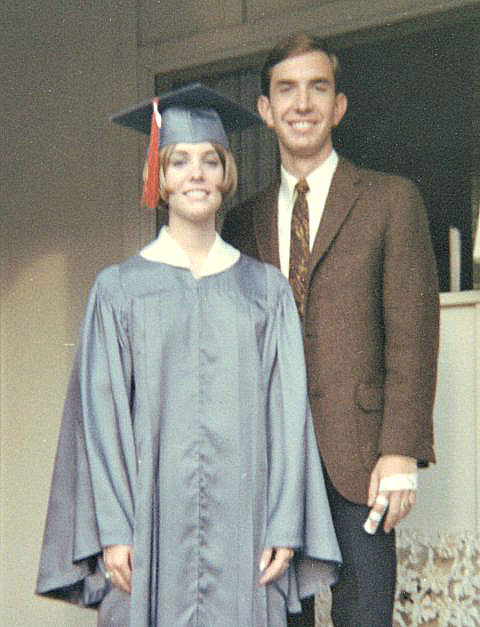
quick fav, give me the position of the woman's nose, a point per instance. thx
(197, 170)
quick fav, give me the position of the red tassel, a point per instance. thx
(151, 186)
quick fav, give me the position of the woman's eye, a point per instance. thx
(177, 163)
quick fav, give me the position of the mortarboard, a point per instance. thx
(190, 114)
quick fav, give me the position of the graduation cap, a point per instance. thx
(190, 114)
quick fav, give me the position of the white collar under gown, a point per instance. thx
(187, 434)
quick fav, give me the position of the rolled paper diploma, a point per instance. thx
(376, 514)
(388, 484)
(399, 482)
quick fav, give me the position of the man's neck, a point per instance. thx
(301, 167)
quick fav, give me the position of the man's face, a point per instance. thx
(303, 108)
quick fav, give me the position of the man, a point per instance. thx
(356, 247)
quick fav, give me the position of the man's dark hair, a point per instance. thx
(293, 46)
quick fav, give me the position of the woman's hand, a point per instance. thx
(273, 563)
(118, 564)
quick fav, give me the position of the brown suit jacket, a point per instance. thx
(371, 320)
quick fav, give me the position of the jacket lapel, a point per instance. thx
(343, 194)
(266, 225)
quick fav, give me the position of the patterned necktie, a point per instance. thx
(299, 246)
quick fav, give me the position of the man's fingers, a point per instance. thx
(412, 497)
(393, 514)
(373, 488)
(401, 504)
(397, 504)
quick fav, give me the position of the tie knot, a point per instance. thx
(302, 186)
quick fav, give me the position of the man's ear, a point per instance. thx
(263, 108)
(341, 104)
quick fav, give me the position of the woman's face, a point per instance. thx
(193, 178)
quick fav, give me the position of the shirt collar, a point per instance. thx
(316, 179)
(165, 249)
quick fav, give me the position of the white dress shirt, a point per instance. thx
(319, 182)
(165, 249)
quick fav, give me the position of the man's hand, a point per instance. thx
(118, 563)
(398, 501)
(274, 562)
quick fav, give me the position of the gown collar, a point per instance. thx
(165, 249)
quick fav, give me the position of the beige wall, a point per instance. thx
(69, 190)
(67, 180)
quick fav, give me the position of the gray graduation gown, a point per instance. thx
(187, 434)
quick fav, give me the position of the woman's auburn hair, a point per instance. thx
(228, 186)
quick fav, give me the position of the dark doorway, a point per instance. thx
(411, 112)
(411, 90)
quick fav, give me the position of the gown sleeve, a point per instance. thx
(91, 503)
(106, 391)
(298, 510)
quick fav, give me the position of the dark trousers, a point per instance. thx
(306, 618)
(364, 594)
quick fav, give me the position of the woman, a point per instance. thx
(187, 458)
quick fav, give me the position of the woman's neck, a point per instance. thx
(195, 239)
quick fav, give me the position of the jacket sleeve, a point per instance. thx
(411, 320)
